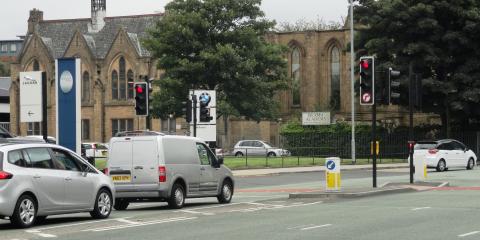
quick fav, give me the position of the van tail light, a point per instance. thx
(5, 175)
(162, 174)
(105, 171)
(433, 151)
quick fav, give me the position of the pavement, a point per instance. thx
(270, 171)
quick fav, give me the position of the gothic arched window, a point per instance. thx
(86, 87)
(122, 79)
(114, 84)
(335, 78)
(36, 65)
(130, 81)
(296, 76)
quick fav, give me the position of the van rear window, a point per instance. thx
(425, 145)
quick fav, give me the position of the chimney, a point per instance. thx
(99, 12)
(36, 16)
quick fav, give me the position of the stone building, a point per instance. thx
(112, 55)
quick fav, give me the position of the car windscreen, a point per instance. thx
(425, 145)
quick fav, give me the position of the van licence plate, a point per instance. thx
(121, 178)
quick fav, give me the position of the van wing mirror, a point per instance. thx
(220, 160)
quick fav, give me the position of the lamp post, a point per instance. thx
(170, 116)
(352, 79)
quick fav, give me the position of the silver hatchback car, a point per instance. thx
(38, 179)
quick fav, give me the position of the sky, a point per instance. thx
(14, 14)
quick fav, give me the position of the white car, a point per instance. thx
(258, 148)
(444, 154)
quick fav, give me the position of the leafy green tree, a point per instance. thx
(4, 71)
(308, 25)
(217, 45)
(440, 38)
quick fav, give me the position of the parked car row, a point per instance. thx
(41, 179)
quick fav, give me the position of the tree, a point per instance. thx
(217, 45)
(440, 38)
(4, 71)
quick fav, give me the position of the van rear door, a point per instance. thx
(145, 163)
(120, 162)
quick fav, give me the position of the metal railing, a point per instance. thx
(5, 125)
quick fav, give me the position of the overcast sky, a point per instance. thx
(14, 14)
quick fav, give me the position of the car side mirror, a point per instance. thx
(220, 160)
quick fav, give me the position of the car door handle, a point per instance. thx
(37, 177)
(68, 179)
(138, 167)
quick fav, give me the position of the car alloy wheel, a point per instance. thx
(226, 193)
(104, 204)
(471, 164)
(177, 199)
(27, 211)
(441, 166)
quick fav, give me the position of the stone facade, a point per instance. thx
(112, 55)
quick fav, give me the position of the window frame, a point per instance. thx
(114, 83)
(26, 163)
(210, 156)
(27, 154)
(86, 86)
(34, 128)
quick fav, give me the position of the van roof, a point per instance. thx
(163, 136)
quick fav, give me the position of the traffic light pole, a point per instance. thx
(374, 144)
(194, 101)
(410, 108)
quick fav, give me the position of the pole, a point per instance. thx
(148, 119)
(410, 108)
(352, 80)
(194, 100)
(374, 143)
(44, 107)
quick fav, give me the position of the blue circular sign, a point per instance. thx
(330, 165)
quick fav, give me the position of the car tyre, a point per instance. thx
(239, 154)
(226, 193)
(441, 166)
(470, 164)
(271, 154)
(121, 204)
(177, 197)
(103, 205)
(25, 213)
(41, 219)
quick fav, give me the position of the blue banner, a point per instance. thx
(68, 102)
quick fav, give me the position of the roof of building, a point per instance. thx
(57, 34)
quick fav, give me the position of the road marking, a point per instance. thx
(420, 208)
(37, 230)
(195, 212)
(215, 206)
(468, 234)
(45, 235)
(301, 226)
(314, 227)
(139, 224)
(265, 204)
(123, 220)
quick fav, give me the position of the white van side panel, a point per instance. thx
(182, 161)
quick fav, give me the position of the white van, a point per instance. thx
(146, 166)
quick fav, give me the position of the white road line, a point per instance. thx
(265, 204)
(45, 235)
(195, 212)
(314, 227)
(70, 225)
(301, 226)
(420, 208)
(215, 206)
(123, 220)
(138, 224)
(468, 234)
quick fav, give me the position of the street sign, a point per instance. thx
(316, 118)
(31, 97)
(332, 174)
(68, 102)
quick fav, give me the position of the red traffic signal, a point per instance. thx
(364, 64)
(139, 89)
(367, 80)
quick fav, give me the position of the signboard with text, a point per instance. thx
(316, 118)
(31, 97)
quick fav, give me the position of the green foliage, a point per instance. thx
(4, 70)
(440, 38)
(217, 45)
(306, 25)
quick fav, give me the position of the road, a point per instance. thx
(265, 212)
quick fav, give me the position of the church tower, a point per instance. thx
(99, 12)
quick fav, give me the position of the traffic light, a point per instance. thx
(205, 99)
(188, 110)
(141, 98)
(367, 81)
(394, 86)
